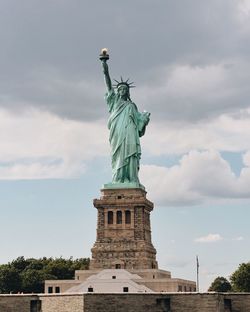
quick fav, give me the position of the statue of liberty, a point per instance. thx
(126, 125)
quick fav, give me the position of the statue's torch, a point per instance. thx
(104, 55)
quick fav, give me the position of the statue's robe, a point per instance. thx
(126, 125)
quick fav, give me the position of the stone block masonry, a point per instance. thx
(207, 302)
(123, 231)
(159, 302)
(63, 303)
(19, 303)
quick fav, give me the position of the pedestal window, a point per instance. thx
(119, 217)
(110, 217)
(127, 217)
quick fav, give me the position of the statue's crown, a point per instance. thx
(123, 82)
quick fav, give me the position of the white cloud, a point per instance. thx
(239, 238)
(246, 159)
(166, 185)
(244, 7)
(229, 132)
(37, 145)
(186, 80)
(210, 238)
(197, 177)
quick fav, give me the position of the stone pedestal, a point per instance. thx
(123, 231)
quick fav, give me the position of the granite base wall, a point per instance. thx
(152, 303)
(171, 302)
(62, 303)
(16, 303)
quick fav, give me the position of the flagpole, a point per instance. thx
(197, 274)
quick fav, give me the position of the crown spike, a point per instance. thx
(123, 82)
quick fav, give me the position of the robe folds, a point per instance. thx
(126, 125)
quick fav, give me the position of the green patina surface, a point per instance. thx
(126, 125)
(116, 185)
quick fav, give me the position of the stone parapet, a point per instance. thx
(157, 302)
(114, 197)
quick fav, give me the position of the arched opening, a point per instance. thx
(127, 217)
(119, 217)
(110, 217)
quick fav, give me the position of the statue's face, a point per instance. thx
(123, 90)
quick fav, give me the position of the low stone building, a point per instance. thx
(118, 281)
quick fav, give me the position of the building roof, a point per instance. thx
(111, 281)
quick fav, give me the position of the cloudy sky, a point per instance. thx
(191, 66)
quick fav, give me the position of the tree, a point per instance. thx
(240, 279)
(28, 275)
(20, 263)
(81, 264)
(220, 284)
(60, 268)
(10, 280)
(33, 280)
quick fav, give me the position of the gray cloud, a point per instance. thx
(191, 93)
(49, 54)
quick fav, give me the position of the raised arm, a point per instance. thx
(104, 57)
(106, 75)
